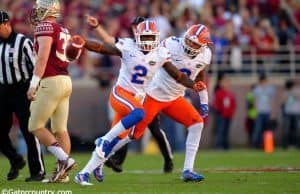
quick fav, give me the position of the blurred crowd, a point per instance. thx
(264, 24)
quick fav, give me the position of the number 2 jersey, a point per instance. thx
(137, 68)
(57, 62)
(163, 87)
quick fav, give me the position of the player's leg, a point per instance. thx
(59, 122)
(132, 111)
(115, 162)
(47, 98)
(124, 102)
(183, 112)
(151, 107)
(163, 143)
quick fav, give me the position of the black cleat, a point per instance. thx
(113, 165)
(168, 166)
(14, 169)
(36, 177)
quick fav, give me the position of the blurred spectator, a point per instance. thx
(251, 114)
(291, 113)
(224, 106)
(264, 96)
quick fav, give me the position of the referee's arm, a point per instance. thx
(29, 55)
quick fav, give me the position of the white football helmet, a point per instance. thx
(147, 35)
(43, 9)
(195, 39)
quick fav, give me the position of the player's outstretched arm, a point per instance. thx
(181, 77)
(103, 35)
(103, 48)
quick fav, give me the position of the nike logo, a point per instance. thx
(178, 60)
(132, 55)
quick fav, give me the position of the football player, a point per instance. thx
(118, 158)
(51, 86)
(191, 55)
(141, 59)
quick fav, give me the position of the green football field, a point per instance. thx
(233, 172)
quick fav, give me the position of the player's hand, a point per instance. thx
(198, 86)
(92, 21)
(31, 94)
(204, 109)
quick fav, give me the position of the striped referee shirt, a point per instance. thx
(16, 59)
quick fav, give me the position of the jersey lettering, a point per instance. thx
(140, 72)
(61, 46)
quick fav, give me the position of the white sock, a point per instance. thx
(119, 145)
(192, 145)
(93, 163)
(58, 152)
(114, 132)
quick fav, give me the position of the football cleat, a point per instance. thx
(188, 175)
(102, 148)
(63, 167)
(168, 166)
(98, 173)
(83, 179)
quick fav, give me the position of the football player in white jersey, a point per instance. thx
(140, 60)
(116, 161)
(190, 55)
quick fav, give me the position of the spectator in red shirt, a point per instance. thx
(224, 105)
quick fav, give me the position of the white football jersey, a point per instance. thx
(163, 87)
(137, 68)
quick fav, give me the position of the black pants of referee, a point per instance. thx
(13, 99)
(159, 136)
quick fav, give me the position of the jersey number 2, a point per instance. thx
(140, 71)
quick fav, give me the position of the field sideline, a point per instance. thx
(233, 172)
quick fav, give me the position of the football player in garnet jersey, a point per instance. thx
(51, 86)
(191, 55)
(141, 59)
(119, 157)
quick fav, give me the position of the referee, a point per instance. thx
(16, 66)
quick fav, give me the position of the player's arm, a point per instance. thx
(180, 77)
(203, 94)
(103, 48)
(45, 43)
(103, 35)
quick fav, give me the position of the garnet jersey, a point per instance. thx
(57, 63)
(163, 87)
(137, 68)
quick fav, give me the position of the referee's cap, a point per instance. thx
(3, 17)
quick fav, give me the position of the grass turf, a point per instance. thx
(233, 172)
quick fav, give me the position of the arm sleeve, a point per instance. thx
(121, 44)
(44, 29)
(207, 56)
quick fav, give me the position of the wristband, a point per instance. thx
(96, 26)
(203, 94)
(35, 80)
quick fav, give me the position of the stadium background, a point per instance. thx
(250, 37)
